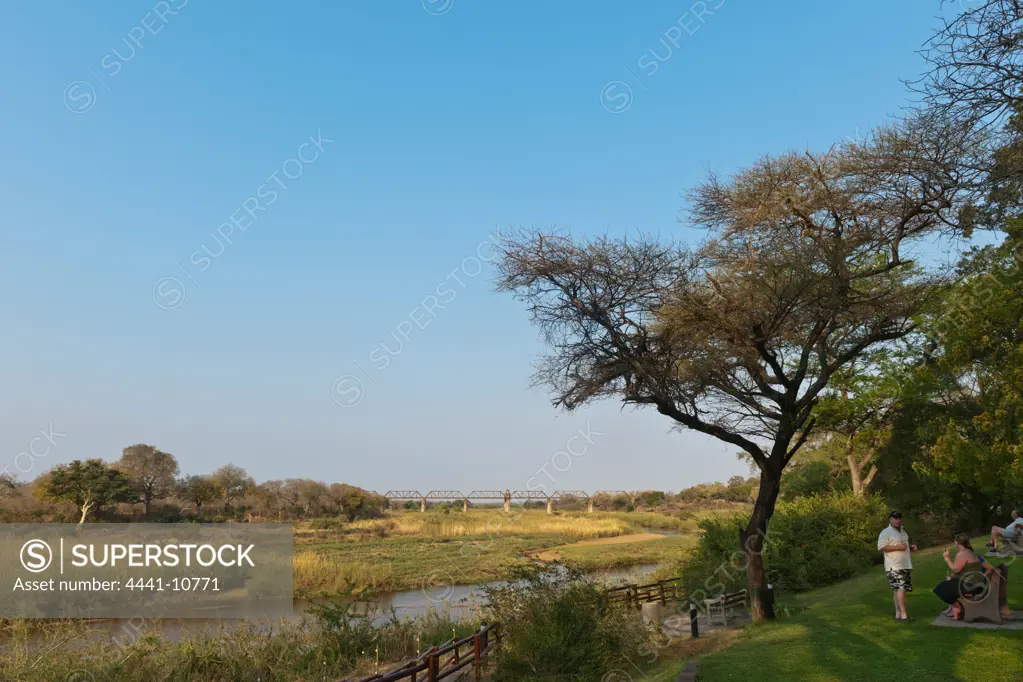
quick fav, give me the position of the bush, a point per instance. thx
(348, 633)
(328, 523)
(811, 542)
(351, 633)
(557, 626)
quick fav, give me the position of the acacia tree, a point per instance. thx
(89, 485)
(151, 471)
(976, 61)
(807, 266)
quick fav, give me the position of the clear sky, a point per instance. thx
(133, 131)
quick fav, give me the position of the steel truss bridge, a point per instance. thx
(506, 496)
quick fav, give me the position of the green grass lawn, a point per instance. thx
(848, 633)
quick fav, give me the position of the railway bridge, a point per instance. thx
(504, 495)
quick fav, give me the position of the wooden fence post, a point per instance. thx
(433, 662)
(477, 664)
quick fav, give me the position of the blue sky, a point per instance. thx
(133, 131)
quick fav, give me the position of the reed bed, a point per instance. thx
(330, 574)
(491, 522)
(330, 649)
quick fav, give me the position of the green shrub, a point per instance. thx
(351, 633)
(557, 626)
(811, 542)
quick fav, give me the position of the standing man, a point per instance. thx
(898, 565)
(1008, 533)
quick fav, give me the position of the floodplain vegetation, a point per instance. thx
(410, 550)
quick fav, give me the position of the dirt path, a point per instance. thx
(554, 553)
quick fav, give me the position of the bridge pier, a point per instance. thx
(550, 505)
(422, 505)
(507, 502)
(465, 506)
(589, 505)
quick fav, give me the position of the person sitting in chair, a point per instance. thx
(964, 578)
(1007, 533)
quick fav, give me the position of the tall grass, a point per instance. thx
(341, 645)
(320, 574)
(494, 522)
(459, 524)
(403, 549)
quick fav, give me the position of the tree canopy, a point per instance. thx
(807, 266)
(89, 484)
(151, 471)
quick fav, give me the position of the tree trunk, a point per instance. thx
(86, 506)
(854, 467)
(860, 485)
(147, 501)
(752, 543)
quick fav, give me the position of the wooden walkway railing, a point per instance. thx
(445, 660)
(660, 591)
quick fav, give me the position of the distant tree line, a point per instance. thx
(146, 483)
(738, 489)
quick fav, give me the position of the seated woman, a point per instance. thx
(964, 577)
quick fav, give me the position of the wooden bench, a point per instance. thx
(993, 605)
(721, 605)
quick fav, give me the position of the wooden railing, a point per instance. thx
(445, 660)
(660, 591)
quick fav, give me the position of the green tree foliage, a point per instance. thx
(818, 469)
(972, 386)
(738, 489)
(812, 542)
(89, 485)
(199, 490)
(356, 503)
(955, 447)
(234, 481)
(651, 498)
(857, 411)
